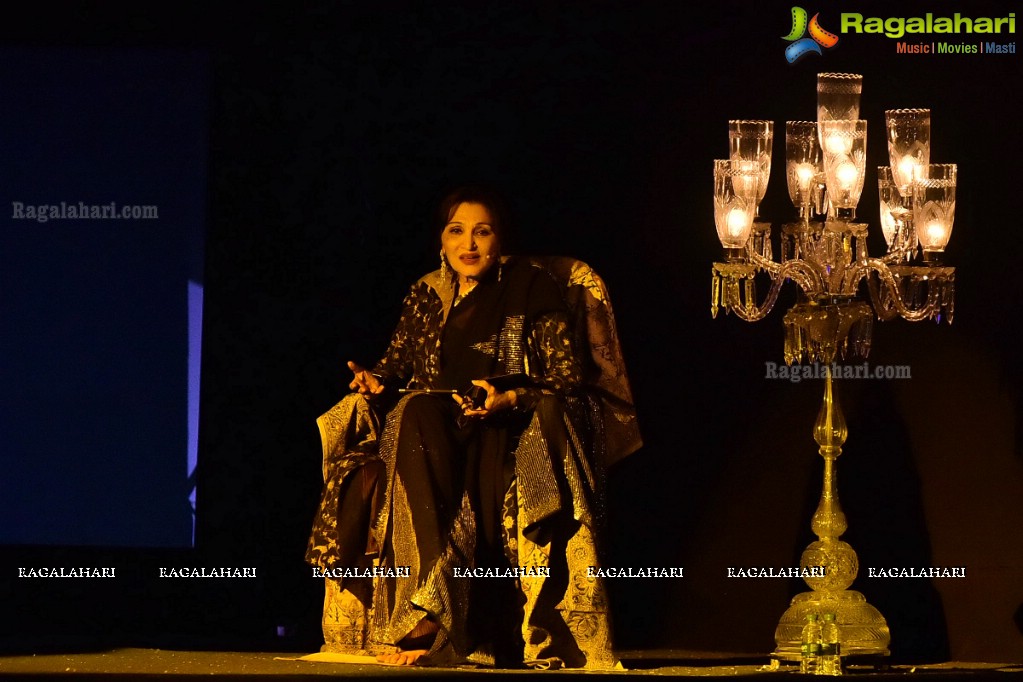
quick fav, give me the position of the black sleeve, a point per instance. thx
(395, 367)
(550, 343)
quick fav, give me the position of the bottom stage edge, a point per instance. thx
(249, 666)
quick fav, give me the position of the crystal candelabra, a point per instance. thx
(841, 290)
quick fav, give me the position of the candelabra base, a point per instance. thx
(862, 629)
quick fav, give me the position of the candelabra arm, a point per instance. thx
(727, 292)
(885, 310)
(897, 304)
(859, 268)
(748, 310)
(851, 278)
(766, 264)
(799, 271)
(898, 254)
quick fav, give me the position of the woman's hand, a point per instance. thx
(496, 401)
(364, 382)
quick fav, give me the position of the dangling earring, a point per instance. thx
(499, 266)
(445, 273)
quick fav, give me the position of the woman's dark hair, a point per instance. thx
(486, 196)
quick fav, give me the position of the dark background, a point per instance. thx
(94, 364)
(334, 128)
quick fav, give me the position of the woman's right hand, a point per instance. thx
(364, 383)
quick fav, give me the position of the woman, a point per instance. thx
(428, 489)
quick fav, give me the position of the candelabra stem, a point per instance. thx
(829, 564)
(830, 433)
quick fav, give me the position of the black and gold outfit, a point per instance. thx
(407, 487)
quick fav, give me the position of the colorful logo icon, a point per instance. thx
(802, 45)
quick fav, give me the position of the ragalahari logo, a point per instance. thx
(802, 45)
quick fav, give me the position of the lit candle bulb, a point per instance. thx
(738, 221)
(935, 231)
(909, 169)
(836, 143)
(746, 185)
(887, 223)
(846, 174)
(804, 173)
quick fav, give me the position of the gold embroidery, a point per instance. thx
(488, 347)
(510, 353)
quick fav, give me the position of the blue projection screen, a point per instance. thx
(103, 185)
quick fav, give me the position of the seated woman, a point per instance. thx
(419, 477)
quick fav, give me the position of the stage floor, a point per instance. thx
(148, 663)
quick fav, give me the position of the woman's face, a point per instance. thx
(469, 241)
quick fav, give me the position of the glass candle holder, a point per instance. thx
(896, 212)
(844, 144)
(736, 187)
(804, 164)
(909, 143)
(750, 142)
(838, 96)
(934, 205)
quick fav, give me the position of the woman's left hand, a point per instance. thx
(496, 400)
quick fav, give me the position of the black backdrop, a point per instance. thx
(334, 128)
